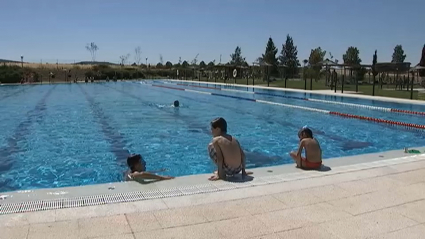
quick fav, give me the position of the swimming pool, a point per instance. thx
(79, 134)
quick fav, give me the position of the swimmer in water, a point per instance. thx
(176, 103)
(138, 172)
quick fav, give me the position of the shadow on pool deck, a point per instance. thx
(239, 179)
(324, 168)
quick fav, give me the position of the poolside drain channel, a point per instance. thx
(41, 205)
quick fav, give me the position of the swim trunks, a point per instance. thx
(310, 165)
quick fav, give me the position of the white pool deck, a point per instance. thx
(380, 195)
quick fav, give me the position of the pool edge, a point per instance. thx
(27, 201)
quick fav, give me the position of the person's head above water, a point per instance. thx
(136, 163)
(218, 126)
(176, 103)
(305, 132)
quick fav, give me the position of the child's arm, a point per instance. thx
(300, 149)
(146, 175)
(158, 171)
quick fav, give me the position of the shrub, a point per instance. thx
(360, 73)
(89, 74)
(101, 68)
(10, 74)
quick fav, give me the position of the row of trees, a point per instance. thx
(288, 58)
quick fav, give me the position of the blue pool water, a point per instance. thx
(79, 134)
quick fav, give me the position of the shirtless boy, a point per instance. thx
(313, 152)
(137, 171)
(225, 151)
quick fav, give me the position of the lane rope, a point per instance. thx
(385, 109)
(344, 115)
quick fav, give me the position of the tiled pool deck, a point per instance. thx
(369, 199)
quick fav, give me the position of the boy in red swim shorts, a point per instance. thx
(313, 152)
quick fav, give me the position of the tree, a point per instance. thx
(92, 48)
(195, 60)
(331, 57)
(351, 56)
(124, 59)
(374, 71)
(168, 65)
(269, 55)
(398, 54)
(159, 65)
(161, 60)
(185, 64)
(316, 56)
(236, 57)
(211, 63)
(305, 62)
(202, 64)
(138, 55)
(260, 60)
(288, 56)
(422, 62)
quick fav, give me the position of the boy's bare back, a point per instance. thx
(313, 152)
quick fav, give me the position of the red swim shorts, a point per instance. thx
(309, 165)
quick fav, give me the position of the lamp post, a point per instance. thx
(146, 62)
(22, 61)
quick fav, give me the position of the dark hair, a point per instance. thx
(132, 160)
(176, 103)
(308, 132)
(219, 123)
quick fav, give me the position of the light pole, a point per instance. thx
(146, 62)
(22, 61)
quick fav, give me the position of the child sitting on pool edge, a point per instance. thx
(225, 151)
(313, 152)
(138, 170)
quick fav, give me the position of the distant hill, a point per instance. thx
(95, 63)
(8, 61)
(77, 63)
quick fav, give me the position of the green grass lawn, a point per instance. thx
(386, 91)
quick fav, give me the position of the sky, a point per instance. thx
(51, 30)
